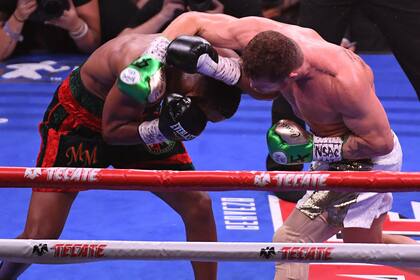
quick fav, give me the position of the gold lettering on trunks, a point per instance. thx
(81, 156)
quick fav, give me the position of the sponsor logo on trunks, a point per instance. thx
(78, 250)
(80, 156)
(178, 129)
(63, 174)
(160, 148)
(297, 180)
(306, 253)
(40, 249)
(267, 252)
(32, 173)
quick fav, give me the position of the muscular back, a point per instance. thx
(333, 89)
(102, 68)
(338, 82)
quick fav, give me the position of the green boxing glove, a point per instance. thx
(144, 78)
(288, 143)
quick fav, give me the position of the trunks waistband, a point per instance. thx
(84, 97)
(81, 104)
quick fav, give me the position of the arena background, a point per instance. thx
(26, 86)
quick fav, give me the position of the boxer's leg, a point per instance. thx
(195, 209)
(365, 235)
(301, 229)
(47, 215)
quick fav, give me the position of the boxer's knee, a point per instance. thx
(289, 234)
(283, 234)
(290, 271)
(199, 210)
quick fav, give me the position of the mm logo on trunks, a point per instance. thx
(160, 148)
(85, 156)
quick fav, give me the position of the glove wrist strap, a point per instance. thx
(226, 69)
(150, 134)
(327, 149)
(157, 48)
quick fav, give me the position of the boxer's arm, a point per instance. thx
(220, 30)
(120, 118)
(224, 31)
(180, 119)
(365, 117)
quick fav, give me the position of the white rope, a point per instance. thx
(75, 251)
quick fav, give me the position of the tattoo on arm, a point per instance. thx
(356, 148)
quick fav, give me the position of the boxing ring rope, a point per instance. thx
(158, 180)
(77, 251)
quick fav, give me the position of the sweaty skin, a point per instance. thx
(99, 74)
(121, 117)
(333, 91)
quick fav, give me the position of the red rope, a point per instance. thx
(152, 180)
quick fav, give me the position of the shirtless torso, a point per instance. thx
(333, 90)
(121, 116)
(100, 71)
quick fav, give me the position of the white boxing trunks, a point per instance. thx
(352, 209)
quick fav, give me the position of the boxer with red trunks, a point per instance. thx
(121, 111)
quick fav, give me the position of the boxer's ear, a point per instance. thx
(293, 75)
